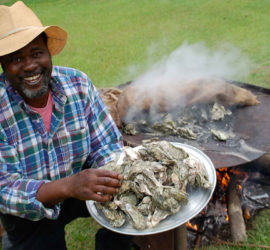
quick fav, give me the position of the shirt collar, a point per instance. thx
(57, 89)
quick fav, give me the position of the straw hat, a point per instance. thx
(19, 26)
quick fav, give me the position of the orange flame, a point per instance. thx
(195, 227)
(223, 177)
(239, 187)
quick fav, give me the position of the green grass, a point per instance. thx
(110, 39)
(80, 234)
(258, 234)
(115, 41)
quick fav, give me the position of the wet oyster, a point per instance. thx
(221, 135)
(155, 180)
(145, 205)
(197, 175)
(186, 133)
(158, 215)
(136, 218)
(218, 112)
(130, 129)
(116, 218)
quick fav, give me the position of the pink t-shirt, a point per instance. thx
(46, 112)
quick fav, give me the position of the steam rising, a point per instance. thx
(179, 76)
(193, 61)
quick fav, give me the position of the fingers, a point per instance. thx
(104, 178)
(108, 173)
(108, 181)
(101, 197)
(105, 190)
(96, 184)
(104, 184)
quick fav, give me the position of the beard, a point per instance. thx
(31, 94)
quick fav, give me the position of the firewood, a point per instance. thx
(237, 223)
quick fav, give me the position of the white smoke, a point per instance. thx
(193, 61)
(159, 85)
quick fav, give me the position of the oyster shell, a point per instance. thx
(187, 133)
(218, 112)
(145, 205)
(155, 180)
(221, 135)
(130, 129)
(116, 218)
(158, 215)
(136, 218)
(197, 175)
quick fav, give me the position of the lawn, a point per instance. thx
(117, 41)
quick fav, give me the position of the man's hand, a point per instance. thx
(95, 184)
(89, 184)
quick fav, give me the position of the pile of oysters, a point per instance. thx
(198, 122)
(155, 180)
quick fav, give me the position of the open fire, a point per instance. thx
(214, 224)
(240, 184)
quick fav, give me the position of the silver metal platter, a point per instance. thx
(198, 198)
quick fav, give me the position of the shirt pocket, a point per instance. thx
(72, 146)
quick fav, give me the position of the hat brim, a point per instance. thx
(57, 38)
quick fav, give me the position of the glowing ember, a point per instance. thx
(239, 187)
(194, 227)
(223, 177)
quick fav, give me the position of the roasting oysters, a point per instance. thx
(193, 123)
(155, 180)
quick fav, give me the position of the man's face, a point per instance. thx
(29, 69)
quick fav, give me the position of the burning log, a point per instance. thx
(237, 223)
(246, 212)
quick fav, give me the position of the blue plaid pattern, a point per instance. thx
(81, 127)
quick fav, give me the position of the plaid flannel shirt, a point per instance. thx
(81, 127)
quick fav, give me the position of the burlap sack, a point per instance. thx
(165, 96)
(110, 98)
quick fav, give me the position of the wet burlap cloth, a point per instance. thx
(137, 98)
(165, 96)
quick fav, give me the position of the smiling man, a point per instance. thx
(29, 71)
(53, 128)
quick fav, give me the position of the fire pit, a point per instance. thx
(242, 189)
(241, 193)
(250, 124)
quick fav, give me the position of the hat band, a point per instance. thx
(16, 30)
